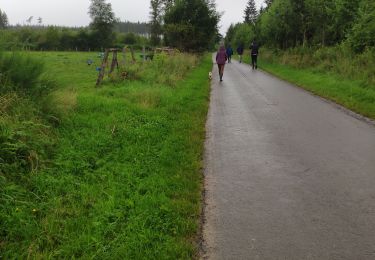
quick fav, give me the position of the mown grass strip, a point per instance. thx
(348, 93)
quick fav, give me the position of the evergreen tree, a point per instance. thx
(251, 13)
(3, 20)
(103, 21)
(156, 20)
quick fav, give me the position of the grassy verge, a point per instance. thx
(125, 181)
(350, 93)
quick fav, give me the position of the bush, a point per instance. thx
(21, 73)
(363, 31)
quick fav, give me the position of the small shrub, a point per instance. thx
(21, 73)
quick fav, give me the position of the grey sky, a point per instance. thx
(74, 12)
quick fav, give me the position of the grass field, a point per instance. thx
(125, 178)
(350, 93)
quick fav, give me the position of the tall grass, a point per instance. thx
(125, 182)
(340, 60)
(164, 69)
(24, 132)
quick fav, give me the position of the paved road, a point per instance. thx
(288, 175)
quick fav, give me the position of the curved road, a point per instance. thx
(288, 174)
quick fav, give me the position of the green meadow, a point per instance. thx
(113, 172)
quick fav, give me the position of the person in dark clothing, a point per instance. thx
(240, 52)
(221, 58)
(254, 54)
(229, 53)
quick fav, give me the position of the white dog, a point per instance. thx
(209, 75)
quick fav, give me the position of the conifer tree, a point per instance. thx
(251, 13)
(156, 20)
(3, 20)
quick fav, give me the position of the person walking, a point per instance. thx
(229, 53)
(254, 54)
(221, 58)
(240, 52)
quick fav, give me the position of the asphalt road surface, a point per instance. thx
(288, 174)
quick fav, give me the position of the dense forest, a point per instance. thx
(286, 24)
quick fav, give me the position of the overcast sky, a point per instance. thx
(74, 12)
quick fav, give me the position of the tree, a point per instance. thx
(167, 4)
(103, 21)
(49, 39)
(82, 41)
(3, 20)
(251, 13)
(230, 34)
(363, 31)
(343, 16)
(243, 35)
(156, 20)
(130, 38)
(191, 25)
(277, 25)
(268, 3)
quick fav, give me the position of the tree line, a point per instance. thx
(105, 30)
(189, 25)
(308, 23)
(64, 39)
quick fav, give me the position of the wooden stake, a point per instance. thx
(144, 53)
(114, 62)
(102, 69)
(132, 52)
(123, 56)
